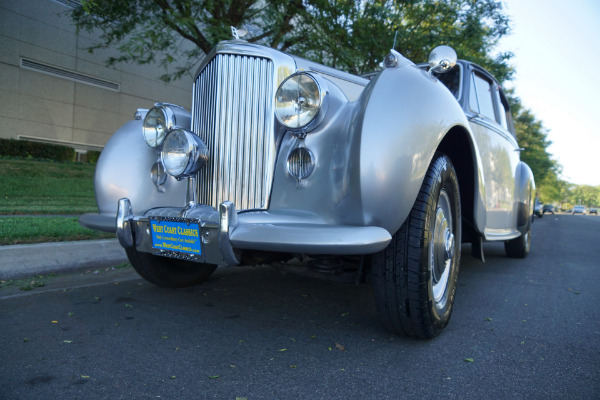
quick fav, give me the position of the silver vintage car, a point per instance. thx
(281, 158)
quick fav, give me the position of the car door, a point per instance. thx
(490, 121)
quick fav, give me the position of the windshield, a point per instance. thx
(451, 79)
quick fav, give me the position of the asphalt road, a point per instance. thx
(520, 329)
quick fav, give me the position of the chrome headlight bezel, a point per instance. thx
(183, 153)
(159, 120)
(171, 116)
(321, 100)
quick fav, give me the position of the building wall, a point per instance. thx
(40, 106)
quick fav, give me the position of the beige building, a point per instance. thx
(53, 90)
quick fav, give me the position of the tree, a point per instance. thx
(181, 32)
(353, 35)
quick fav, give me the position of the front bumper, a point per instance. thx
(225, 233)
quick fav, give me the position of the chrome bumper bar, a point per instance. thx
(224, 233)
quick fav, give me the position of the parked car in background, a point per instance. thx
(548, 208)
(593, 211)
(579, 210)
(538, 210)
(284, 158)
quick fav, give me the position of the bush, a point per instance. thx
(26, 149)
(92, 156)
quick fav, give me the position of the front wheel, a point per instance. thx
(414, 278)
(168, 272)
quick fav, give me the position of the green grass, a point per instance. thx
(21, 230)
(46, 187)
(33, 187)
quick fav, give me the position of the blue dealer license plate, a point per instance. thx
(176, 236)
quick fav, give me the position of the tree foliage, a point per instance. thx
(179, 32)
(352, 35)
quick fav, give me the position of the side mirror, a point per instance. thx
(442, 59)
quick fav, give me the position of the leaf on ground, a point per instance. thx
(165, 337)
(241, 398)
(70, 314)
(25, 340)
(293, 366)
(85, 376)
(282, 350)
(55, 322)
(488, 319)
(340, 347)
(214, 376)
(344, 314)
(128, 305)
(67, 341)
(469, 360)
(172, 377)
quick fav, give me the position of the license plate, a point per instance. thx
(183, 237)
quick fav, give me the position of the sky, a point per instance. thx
(557, 52)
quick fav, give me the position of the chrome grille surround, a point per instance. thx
(233, 113)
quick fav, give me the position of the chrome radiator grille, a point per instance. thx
(232, 111)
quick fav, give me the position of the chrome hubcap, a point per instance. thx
(441, 251)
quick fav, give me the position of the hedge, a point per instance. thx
(44, 151)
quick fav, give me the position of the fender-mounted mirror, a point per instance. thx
(442, 59)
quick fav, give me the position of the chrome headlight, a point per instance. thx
(183, 153)
(158, 121)
(299, 102)
(161, 119)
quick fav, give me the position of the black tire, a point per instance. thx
(519, 247)
(414, 278)
(168, 272)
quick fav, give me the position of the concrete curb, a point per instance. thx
(22, 260)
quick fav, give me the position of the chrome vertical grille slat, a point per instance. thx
(232, 111)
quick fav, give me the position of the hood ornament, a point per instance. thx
(238, 33)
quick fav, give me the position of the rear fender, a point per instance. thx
(524, 196)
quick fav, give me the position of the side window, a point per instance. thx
(485, 91)
(473, 104)
(502, 111)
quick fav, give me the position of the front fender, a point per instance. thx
(123, 171)
(404, 116)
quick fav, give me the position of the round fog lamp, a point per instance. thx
(183, 153)
(157, 123)
(301, 163)
(158, 174)
(298, 101)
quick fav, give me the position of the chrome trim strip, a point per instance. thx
(492, 125)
